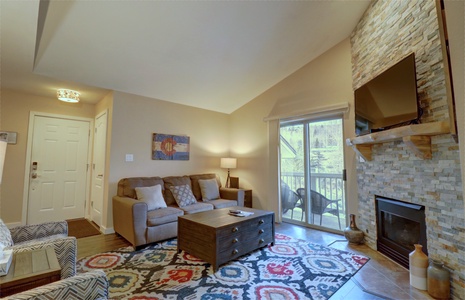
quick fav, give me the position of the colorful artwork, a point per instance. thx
(170, 147)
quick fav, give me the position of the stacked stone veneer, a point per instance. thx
(389, 31)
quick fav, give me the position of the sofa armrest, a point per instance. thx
(91, 286)
(233, 194)
(65, 250)
(130, 219)
(31, 232)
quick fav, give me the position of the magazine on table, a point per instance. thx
(240, 213)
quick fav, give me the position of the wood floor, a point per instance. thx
(380, 278)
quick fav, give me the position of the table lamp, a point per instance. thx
(228, 163)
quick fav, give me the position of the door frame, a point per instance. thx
(27, 167)
(92, 170)
(306, 121)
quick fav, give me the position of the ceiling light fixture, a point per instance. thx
(68, 95)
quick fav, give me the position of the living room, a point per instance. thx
(242, 134)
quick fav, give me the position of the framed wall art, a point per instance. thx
(170, 147)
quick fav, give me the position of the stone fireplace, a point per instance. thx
(388, 31)
(400, 225)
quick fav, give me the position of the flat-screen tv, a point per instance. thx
(389, 100)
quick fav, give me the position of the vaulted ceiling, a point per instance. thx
(216, 55)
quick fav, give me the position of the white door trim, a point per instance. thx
(92, 170)
(27, 168)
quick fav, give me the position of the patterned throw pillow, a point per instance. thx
(5, 235)
(209, 189)
(183, 195)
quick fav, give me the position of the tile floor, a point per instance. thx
(380, 278)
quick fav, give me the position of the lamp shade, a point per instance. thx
(228, 163)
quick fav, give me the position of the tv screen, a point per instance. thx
(388, 100)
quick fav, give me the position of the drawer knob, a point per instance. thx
(235, 229)
(261, 222)
(235, 241)
(235, 251)
(261, 231)
(260, 241)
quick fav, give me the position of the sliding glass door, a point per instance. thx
(312, 173)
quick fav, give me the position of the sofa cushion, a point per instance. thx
(222, 203)
(126, 186)
(163, 216)
(5, 235)
(195, 183)
(197, 207)
(172, 181)
(209, 189)
(152, 195)
(183, 195)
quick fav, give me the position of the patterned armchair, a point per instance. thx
(92, 285)
(50, 234)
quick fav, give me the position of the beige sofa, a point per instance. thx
(136, 223)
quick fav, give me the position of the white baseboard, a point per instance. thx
(105, 230)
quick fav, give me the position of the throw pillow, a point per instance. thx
(5, 235)
(209, 189)
(183, 195)
(151, 195)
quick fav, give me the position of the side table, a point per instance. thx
(248, 198)
(30, 269)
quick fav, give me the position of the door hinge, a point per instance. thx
(344, 175)
(91, 203)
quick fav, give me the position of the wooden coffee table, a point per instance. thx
(217, 237)
(30, 269)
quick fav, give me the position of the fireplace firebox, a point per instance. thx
(400, 225)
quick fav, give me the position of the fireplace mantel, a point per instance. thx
(416, 137)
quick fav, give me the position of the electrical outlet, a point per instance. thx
(129, 157)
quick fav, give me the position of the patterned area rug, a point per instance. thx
(291, 269)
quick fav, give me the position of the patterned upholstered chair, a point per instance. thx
(40, 236)
(92, 285)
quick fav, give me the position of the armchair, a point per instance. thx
(92, 285)
(50, 234)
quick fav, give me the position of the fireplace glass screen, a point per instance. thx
(402, 231)
(400, 225)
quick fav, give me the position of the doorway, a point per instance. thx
(312, 173)
(57, 168)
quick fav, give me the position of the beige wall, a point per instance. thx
(136, 118)
(16, 108)
(325, 81)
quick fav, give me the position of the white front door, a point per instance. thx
(58, 175)
(98, 170)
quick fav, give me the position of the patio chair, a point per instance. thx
(40, 236)
(302, 199)
(321, 205)
(289, 199)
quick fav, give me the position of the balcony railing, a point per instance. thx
(329, 185)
